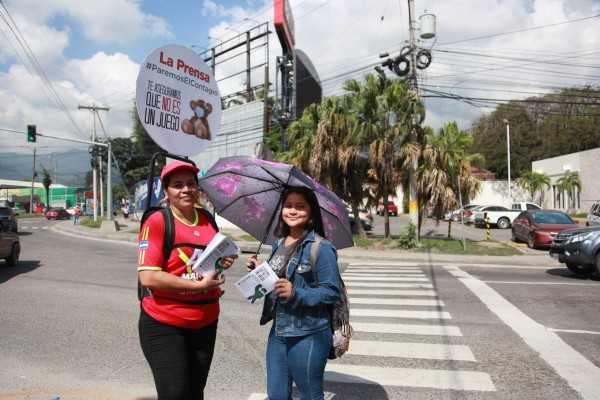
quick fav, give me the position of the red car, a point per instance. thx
(538, 227)
(57, 213)
(392, 208)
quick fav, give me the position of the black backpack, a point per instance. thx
(169, 238)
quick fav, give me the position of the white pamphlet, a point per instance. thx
(257, 283)
(204, 262)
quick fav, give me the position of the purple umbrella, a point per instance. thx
(248, 192)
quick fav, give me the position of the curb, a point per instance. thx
(349, 255)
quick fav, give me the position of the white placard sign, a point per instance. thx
(178, 100)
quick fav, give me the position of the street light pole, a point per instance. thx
(508, 159)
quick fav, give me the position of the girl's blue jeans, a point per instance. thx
(298, 359)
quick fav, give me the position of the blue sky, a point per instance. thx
(90, 52)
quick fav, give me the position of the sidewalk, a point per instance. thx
(352, 254)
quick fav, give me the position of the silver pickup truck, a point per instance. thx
(502, 217)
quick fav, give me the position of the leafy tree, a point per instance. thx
(379, 106)
(540, 127)
(571, 184)
(534, 182)
(444, 173)
(47, 181)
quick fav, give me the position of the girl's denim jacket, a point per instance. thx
(306, 311)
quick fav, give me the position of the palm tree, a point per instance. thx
(337, 159)
(47, 181)
(444, 171)
(534, 182)
(379, 106)
(568, 183)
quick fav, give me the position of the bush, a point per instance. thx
(408, 239)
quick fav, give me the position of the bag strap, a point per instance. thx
(313, 257)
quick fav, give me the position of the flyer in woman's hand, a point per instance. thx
(204, 262)
(257, 283)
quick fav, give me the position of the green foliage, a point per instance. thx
(540, 127)
(408, 239)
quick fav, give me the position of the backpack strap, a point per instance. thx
(313, 256)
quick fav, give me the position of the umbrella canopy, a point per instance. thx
(247, 192)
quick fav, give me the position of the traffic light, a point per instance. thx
(31, 133)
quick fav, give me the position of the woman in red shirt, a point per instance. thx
(178, 323)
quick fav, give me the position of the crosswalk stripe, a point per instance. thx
(384, 292)
(362, 283)
(383, 264)
(370, 278)
(370, 270)
(429, 351)
(397, 302)
(425, 378)
(378, 275)
(359, 312)
(406, 329)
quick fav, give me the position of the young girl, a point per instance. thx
(300, 337)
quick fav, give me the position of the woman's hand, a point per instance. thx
(227, 261)
(252, 262)
(284, 289)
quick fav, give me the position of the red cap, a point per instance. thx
(177, 166)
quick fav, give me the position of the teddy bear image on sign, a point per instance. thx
(198, 124)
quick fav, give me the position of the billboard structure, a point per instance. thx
(297, 82)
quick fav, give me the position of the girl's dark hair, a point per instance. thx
(315, 222)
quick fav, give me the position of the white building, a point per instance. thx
(587, 164)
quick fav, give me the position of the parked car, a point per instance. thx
(455, 215)
(362, 214)
(499, 216)
(469, 215)
(18, 211)
(57, 213)
(10, 246)
(9, 219)
(578, 249)
(524, 205)
(392, 208)
(366, 224)
(539, 227)
(593, 217)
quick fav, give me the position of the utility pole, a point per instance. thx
(95, 165)
(413, 204)
(32, 180)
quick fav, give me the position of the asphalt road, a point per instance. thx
(422, 331)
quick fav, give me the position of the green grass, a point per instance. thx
(442, 246)
(455, 246)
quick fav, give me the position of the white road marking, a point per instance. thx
(397, 302)
(405, 329)
(572, 331)
(579, 372)
(384, 264)
(544, 283)
(359, 312)
(383, 292)
(377, 274)
(396, 270)
(361, 283)
(376, 278)
(429, 351)
(436, 379)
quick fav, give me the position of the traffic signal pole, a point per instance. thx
(108, 177)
